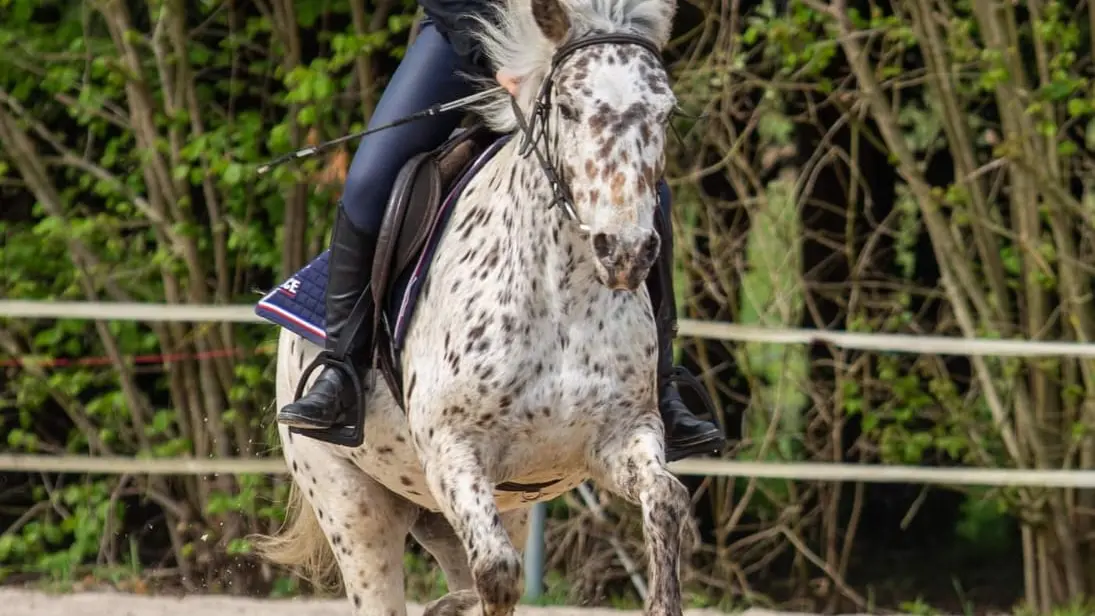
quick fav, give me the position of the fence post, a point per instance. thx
(534, 553)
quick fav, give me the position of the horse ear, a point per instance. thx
(552, 18)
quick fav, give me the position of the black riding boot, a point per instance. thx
(686, 434)
(349, 270)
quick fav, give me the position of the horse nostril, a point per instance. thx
(603, 245)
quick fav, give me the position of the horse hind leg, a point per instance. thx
(459, 483)
(630, 462)
(437, 536)
(341, 517)
(434, 533)
(363, 523)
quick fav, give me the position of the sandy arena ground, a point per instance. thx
(16, 602)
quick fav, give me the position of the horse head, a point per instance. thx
(594, 107)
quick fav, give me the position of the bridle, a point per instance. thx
(536, 129)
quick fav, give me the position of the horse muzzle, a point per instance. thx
(624, 257)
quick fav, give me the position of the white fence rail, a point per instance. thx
(701, 329)
(696, 467)
(893, 343)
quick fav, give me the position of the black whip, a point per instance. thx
(425, 113)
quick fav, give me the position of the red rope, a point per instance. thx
(158, 358)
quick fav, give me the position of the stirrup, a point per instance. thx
(679, 376)
(327, 358)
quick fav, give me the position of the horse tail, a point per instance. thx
(301, 545)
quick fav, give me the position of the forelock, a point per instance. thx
(514, 43)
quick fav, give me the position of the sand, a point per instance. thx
(21, 602)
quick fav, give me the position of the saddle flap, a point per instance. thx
(423, 200)
(417, 185)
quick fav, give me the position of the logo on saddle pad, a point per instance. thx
(290, 287)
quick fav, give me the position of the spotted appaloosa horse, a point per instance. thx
(532, 354)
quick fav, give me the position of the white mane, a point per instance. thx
(515, 44)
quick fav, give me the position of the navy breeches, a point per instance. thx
(425, 77)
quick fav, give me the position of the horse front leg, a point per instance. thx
(629, 460)
(461, 486)
(435, 534)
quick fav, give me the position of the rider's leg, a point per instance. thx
(426, 76)
(686, 434)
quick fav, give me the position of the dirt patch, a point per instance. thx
(19, 602)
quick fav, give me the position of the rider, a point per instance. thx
(430, 74)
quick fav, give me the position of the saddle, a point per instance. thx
(419, 191)
(417, 194)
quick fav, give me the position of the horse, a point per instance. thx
(529, 365)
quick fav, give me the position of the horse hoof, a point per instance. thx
(459, 603)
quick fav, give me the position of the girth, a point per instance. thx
(511, 486)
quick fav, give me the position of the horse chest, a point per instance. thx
(501, 307)
(518, 348)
